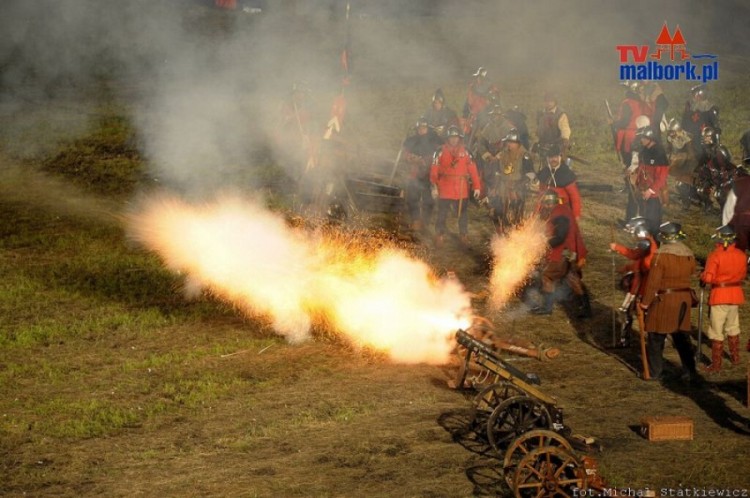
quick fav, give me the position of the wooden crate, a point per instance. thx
(667, 428)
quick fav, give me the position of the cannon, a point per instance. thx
(524, 426)
(512, 404)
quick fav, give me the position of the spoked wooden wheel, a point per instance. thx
(513, 417)
(525, 444)
(548, 472)
(488, 398)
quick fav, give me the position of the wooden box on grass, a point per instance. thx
(667, 428)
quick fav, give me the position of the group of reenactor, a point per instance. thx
(484, 156)
(657, 283)
(658, 290)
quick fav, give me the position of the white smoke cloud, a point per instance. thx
(238, 251)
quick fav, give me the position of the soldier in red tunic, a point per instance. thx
(478, 97)
(557, 175)
(565, 257)
(636, 272)
(726, 268)
(630, 109)
(649, 184)
(454, 174)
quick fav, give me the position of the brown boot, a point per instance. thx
(717, 349)
(748, 345)
(734, 349)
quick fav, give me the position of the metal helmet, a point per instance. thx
(480, 72)
(671, 231)
(637, 227)
(496, 110)
(422, 121)
(699, 92)
(632, 86)
(709, 136)
(674, 126)
(512, 136)
(724, 235)
(453, 131)
(438, 96)
(642, 121)
(550, 198)
(645, 132)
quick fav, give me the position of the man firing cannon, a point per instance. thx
(565, 258)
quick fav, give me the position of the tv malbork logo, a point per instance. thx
(669, 60)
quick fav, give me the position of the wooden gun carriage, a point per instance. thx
(524, 426)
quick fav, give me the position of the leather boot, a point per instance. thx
(717, 349)
(545, 307)
(734, 349)
(584, 309)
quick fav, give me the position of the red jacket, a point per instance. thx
(641, 264)
(626, 135)
(725, 270)
(653, 169)
(451, 171)
(562, 225)
(569, 194)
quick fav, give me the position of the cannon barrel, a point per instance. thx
(481, 349)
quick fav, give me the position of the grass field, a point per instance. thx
(113, 383)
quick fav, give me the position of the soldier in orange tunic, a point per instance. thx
(726, 268)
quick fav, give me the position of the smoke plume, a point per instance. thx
(238, 251)
(514, 257)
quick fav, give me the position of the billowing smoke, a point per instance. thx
(199, 76)
(238, 251)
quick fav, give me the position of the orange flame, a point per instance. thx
(514, 257)
(246, 255)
